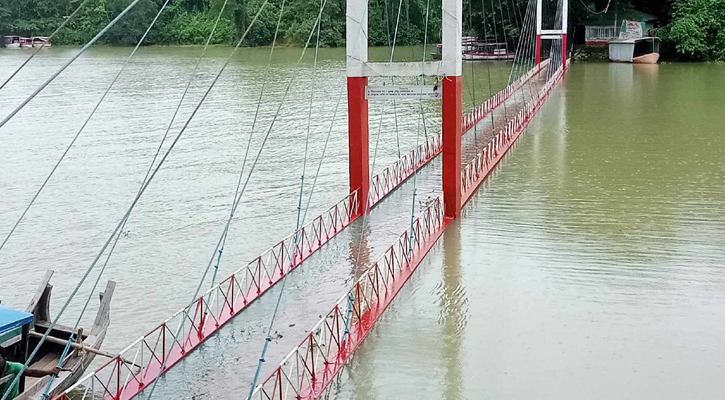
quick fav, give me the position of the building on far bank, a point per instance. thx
(599, 29)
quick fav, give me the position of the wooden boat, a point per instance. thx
(650, 58)
(11, 42)
(41, 41)
(19, 341)
(640, 51)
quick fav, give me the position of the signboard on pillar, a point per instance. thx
(405, 92)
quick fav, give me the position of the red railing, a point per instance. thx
(477, 114)
(307, 371)
(479, 168)
(384, 182)
(168, 343)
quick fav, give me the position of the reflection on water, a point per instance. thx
(454, 307)
(591, 265)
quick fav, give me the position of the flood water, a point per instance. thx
(589, 266)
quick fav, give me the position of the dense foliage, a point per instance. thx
(698, 28)
(191, 21)
(695, 27)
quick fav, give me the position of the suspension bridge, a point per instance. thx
(470, 145)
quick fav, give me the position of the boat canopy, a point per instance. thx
(11, 318)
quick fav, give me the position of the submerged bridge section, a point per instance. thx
(308, 370)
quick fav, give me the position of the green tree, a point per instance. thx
(698, 28)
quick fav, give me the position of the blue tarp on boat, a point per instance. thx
(11, 318)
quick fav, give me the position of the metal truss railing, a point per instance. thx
(307, 371)
(477, 114)
(154, 353)
(479, 168)
(384, 182)
(151, 355)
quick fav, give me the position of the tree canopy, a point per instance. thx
(695, 27)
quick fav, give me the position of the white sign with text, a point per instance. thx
(411, 92)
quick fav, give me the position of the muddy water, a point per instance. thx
(168, 241)
(590, 266)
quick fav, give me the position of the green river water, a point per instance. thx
(590, 265)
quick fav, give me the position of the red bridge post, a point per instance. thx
(358, 135)
(356, 45)
(452, 61)
(452, 146)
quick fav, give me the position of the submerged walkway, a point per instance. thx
(227, 361)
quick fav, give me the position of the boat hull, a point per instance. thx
(78, 359)
(41, 45)
(651, 58)
(12, 46)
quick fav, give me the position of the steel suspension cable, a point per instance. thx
(488, 66)
(392, 79)
(523, 50)
(417, 136)
(268, 337)
(135, 201)
(52, 35)
(518, 27)
(324, 150)
(69, 62)
(246, 152)
(85, 123)
(495, 29)
(68, 343)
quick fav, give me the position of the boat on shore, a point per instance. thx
(11, 41)
(644, 50)
(474, 49)
(41, 41)
(483, 51)
(20, 332)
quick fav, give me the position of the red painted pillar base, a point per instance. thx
(358, 134)
(452, 146)
(538, 49)
(563, 51)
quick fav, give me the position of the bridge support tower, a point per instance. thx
(358, 71)
(552, 33)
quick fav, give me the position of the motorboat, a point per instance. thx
(644, 50)
(41, 41)
(474, 49)
(11, 41)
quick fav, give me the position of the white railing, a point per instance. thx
(601, 33)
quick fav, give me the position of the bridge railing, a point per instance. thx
(155, 352)
(384, 182)
(474, 173)
(601, 33)
(481, 111)
(309, 368)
